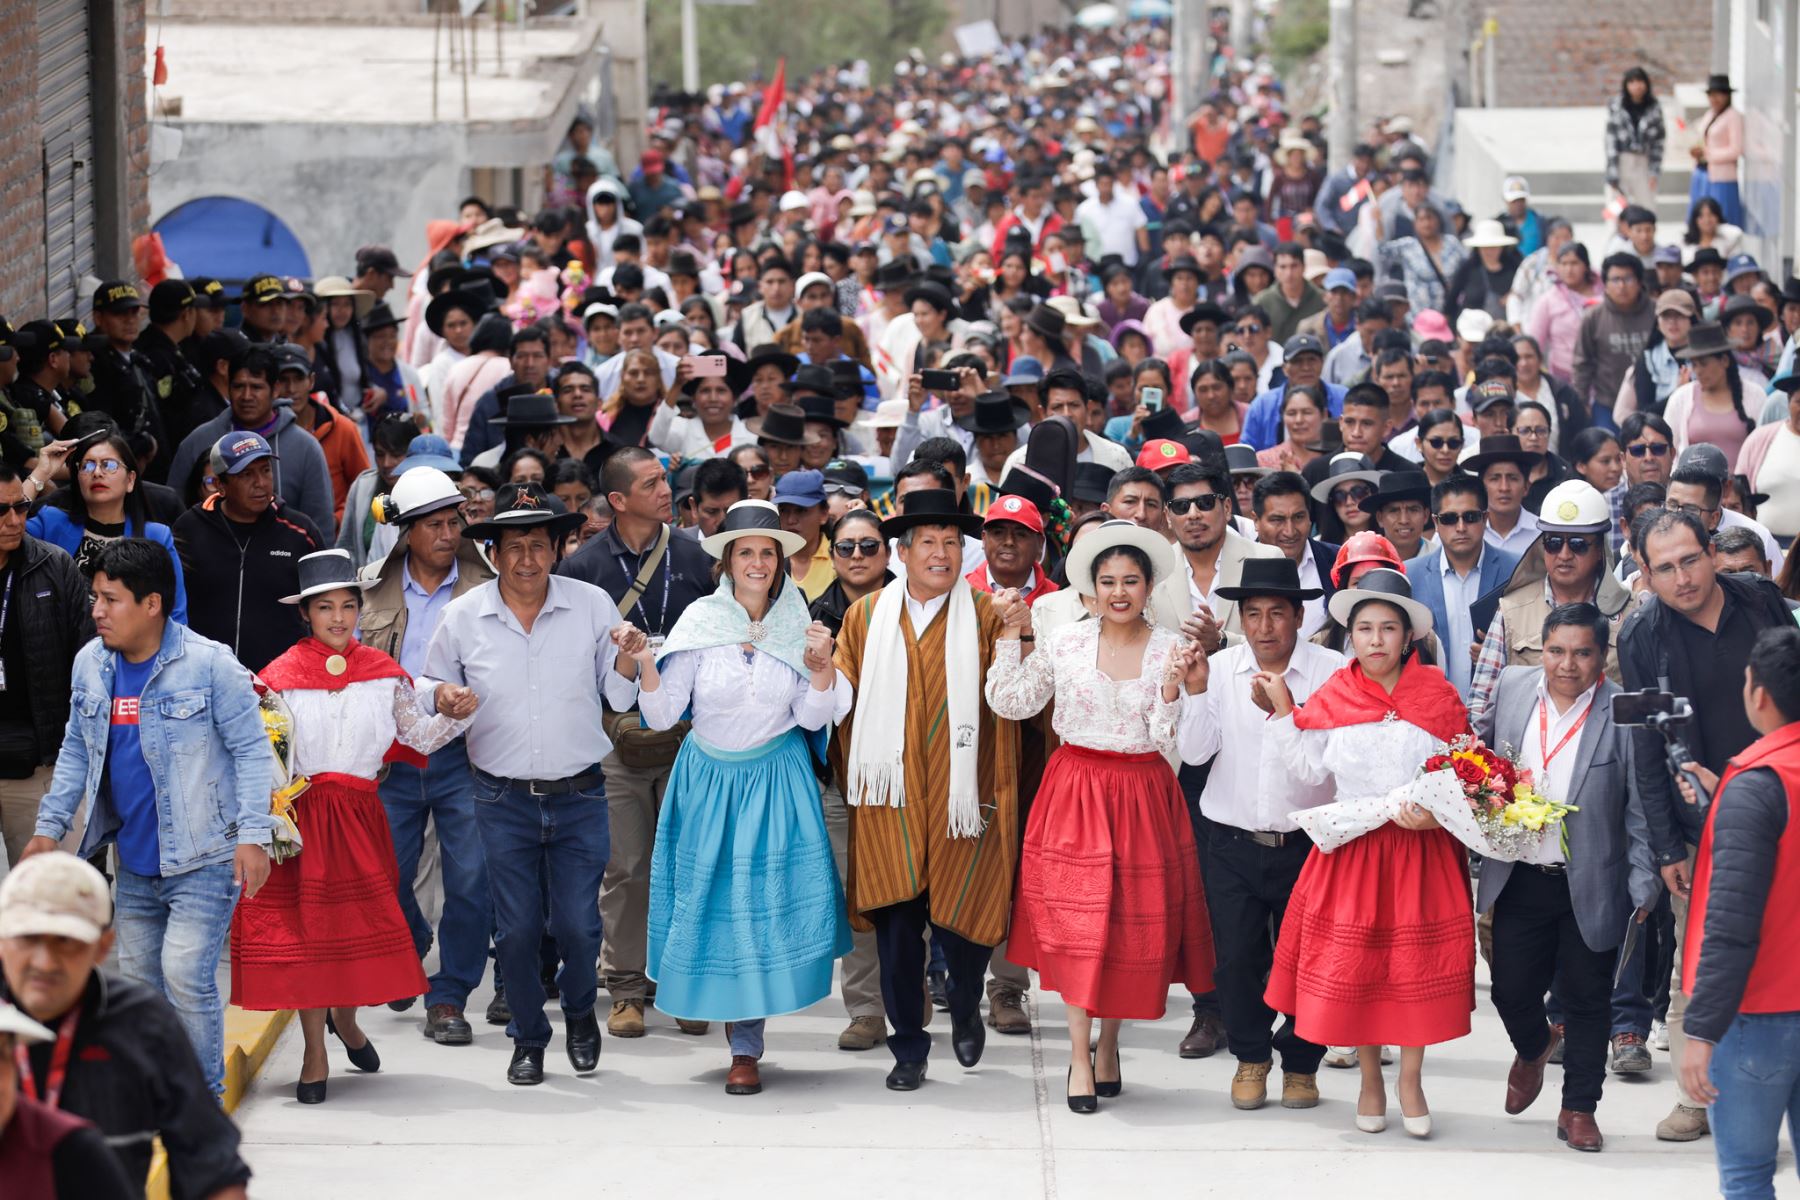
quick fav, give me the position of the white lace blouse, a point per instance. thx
(349, 730)
(1093, 710)
(1371, 759)
(740, 704)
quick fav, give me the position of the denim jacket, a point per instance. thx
(203, 742)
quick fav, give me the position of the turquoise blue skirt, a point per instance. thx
(746, 911)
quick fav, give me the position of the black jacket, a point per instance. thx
(123, 390)
(1650, 652)
(235, 589)
(1746, 843)
(833, 603)
(173, 382)
(50, 600)
(133, 1073)
(608, 564)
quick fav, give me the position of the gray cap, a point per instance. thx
(1704, 456)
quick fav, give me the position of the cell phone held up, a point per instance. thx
(937, 380)
(706, 366)
(1151, 398)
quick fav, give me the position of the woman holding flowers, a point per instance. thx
(325, 934)
(1378, 946)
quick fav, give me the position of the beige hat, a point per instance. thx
(1072, 311)
(21, 1026)
(889, 414)
(491, 232)
(1316, 265)
(337, 285)
(862, 204)
(56, 894)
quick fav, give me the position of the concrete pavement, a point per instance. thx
(442, 1122)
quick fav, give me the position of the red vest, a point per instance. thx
(1774, 983)
(26, 1145)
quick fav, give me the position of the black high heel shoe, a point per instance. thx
(1082, 1104)
(1106, 1088)
(363, 1057)
(310, 1093)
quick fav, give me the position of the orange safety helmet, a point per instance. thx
(1365, 547)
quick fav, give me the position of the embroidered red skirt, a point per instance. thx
(1109, 909)
(326, 929)
(1378, 945)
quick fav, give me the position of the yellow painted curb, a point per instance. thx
(249, 1038)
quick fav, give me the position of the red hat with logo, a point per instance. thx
(1160, 454)
(1018, 510)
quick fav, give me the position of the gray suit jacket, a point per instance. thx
(1610, 870)
(1171, 603)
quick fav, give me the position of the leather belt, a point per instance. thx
(1548, 868)
(554, 787)
(1261, 837)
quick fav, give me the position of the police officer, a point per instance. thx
(122, 386)
(263, 305)
(43, 370)
(174, 381)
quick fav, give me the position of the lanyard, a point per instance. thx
(1544, 731)
(59, 1061)
(6, 600)
(662, 614)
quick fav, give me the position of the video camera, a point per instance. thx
(1667, 714)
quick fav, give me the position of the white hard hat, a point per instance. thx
(809, 279)
(417, 492)
(794, 202)
(1574, 506)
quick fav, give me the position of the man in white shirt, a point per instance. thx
(1114, 219)
(1504, 468)
(1252, 851)
(1065, 395)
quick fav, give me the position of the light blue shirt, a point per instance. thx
(540, 714)
(423, 611)
(1460, 592)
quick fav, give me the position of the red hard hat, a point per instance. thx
(1369, 547)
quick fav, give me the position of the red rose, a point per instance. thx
(1468, 772)
(1437, 762)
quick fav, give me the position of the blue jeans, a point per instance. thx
(532, 843)
(442, 792)
(747, 1037)
(1756, 1068)
(171, 933)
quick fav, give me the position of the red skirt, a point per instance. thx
(1110, 909)
(1378, 945)
(326, 929)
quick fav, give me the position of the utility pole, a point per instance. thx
(690, 47)
(1341, 77)
(1188, 79)
(1241, 16)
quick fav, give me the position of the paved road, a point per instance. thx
(442, 1122)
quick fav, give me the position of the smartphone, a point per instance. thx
(1636, 708)
(706, 366)
(1152, 398)
(941, 381)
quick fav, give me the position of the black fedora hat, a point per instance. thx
(1499, 448)
(1719, 83)
(524, 506)
(476, 297)
(822, 409)
(848, 374)
(929, 506)
(769, 354)
(1705, 339)
(1746, 303)
(1240, 459)
(379, 317)
(1790, 291)
(1165, 422)
(1206, 310)
(785, 424)
(1092, 481)
(1047, 323)
(995, 412)
(812, 377)
(1052, 448)
(1183, 262)
(532, 409)
(893, 275)
(934, 294)
(1398, 486)
(1277, 576)
(1024, 482)
(1706, 256)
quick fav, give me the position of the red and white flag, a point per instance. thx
(770, 128)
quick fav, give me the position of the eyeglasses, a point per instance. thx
(1683, 566)
(1247, 327)
(1442, 443)
(1656, 449)
(1205, 503)
(1356, 493)
(867, 547)
(1684, 506)
(470, 493)
(1449, 520)
(1531, 431)
(17, 507)
(102, 466)
(1577, 544)
(760, 471)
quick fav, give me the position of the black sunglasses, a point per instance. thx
(1641, 449)
(1449, 520)
(1577, 543)
(1205, 503)
(867, 547)
(21, 507)
(758, 471)
(1441, 443)
(1353, 494)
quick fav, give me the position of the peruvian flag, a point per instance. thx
(771, 141)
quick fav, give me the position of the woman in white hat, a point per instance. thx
(1109, 907)
(1378, 946)
(344, 355)
(325, 935)
(746, 911)
(1485, 278)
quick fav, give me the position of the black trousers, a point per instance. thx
(900, 945)
(1247, 890)
(1193, 781)
(1536, 941)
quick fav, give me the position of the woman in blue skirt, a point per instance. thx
(746, 912)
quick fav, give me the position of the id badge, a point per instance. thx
(655, 640)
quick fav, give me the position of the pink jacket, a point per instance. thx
(1555, 322)
(1724, 140)
(469, 380)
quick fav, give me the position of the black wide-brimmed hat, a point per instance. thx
(1719, 83)
(1705, 339)
(822, 409)
(1398, 486)
(533, 409)
(325, 571)
(1047, 323)
(785, 424)
(476, 297)
(929, 506)
(995, 412)
(524, 506)
(1277, 576)
(1206, 310)
(1091, 483)
(1707, 256)
(769, 354)
(379, 317)
(1183, 262)
(1499, 448)
(1345, 467)
(1746, 303)
(1240, 459)
(934, 294)
(812, 377)
(893, 275)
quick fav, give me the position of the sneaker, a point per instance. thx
(1250, 1086)
(498, 1011)
(1630, 1055)
(1683, 1124)
(863, 1033)
(1659, 1034)
(1387, 1055)
(1340, 1056)
(1006, 1012)
(626, 1019)
(1299, 1091)
(1559, 1033)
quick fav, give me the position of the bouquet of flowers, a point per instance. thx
(278, 724)
(1512, 814)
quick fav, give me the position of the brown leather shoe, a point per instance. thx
(1526, 1079)
(1006, 1012)
(744, 1079)
(694, 1028)
(1203, 1037)
(1578, 1129)
(626, 1019)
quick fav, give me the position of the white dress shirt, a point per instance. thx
(1223, 721)
(739, 703)
(923, 611)
(1517, 540)
(1460, 592)
(1313, 615)
(1554, 783)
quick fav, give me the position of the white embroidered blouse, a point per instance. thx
(1093, 710)
(349, 730)
(740, 704)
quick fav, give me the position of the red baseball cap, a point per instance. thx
(1159, 454)
(651, 158)
(1018, 510)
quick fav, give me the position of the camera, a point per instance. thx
(1667, 714)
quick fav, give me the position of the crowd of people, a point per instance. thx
(953, 525)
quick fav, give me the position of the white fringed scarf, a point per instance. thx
(877, 765)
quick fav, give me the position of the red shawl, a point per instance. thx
(302, 668)
(1423, 697)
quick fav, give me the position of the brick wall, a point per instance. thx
(137, 120)
(1556, 53)
(21, 166)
